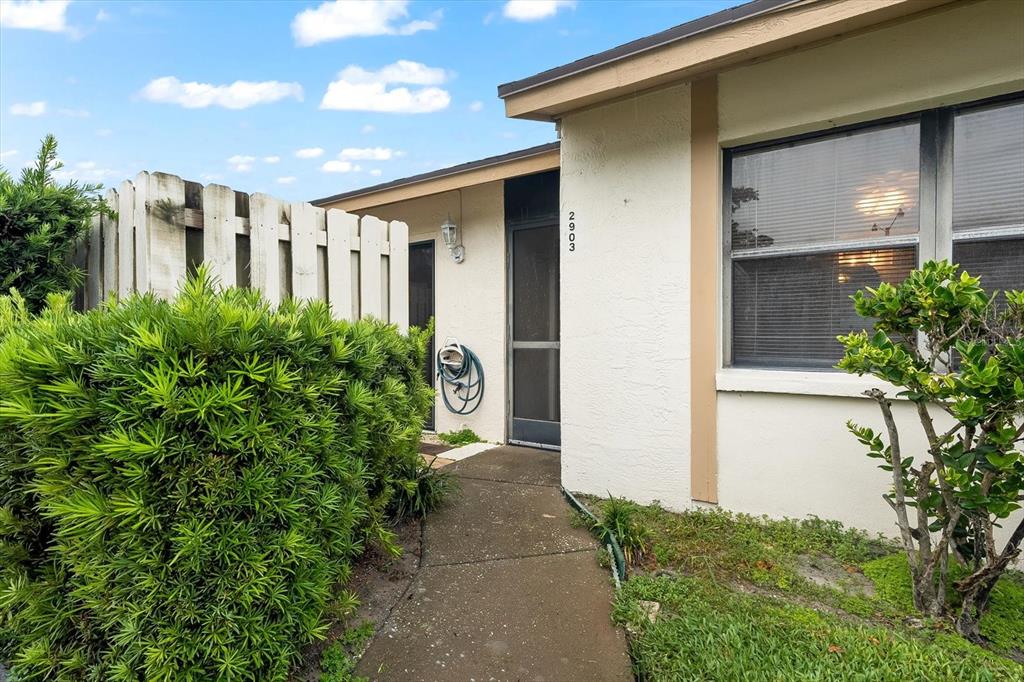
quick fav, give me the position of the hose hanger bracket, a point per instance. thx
(461, 377)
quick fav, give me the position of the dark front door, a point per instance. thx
(536, 410)
(421, 302)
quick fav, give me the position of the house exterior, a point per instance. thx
(722, 187)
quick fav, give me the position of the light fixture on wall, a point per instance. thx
(450, 234)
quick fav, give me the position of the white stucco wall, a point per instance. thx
(625, 302)
(469, 297)
(966, 51)
(790, 454)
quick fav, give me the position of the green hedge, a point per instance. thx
(183, 485)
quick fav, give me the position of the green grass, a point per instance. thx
(456, 438)
(708, 632)
(338, 662)
(1002, 624)
(736, 607)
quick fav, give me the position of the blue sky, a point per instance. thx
(245, 94)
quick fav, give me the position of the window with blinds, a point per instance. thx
(988, 194)
(814, 220)
(811, 223)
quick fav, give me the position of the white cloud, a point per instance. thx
(339, 167)
(104, 132)
(350, 18)
(103, 15)
(357, 89)
(287, 180)
(39, 15)
(271, 159)
(476, 105)
(368, 153)
(309, 153)
(74, 113)
(8, 154)
(241, 163)
(238, 95)
(375, 172)
(28, 109)
(534, 10)
(210, 177)
(86, 171)
(367, 129)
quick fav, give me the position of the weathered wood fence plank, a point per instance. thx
(219, 233)
(359, 265)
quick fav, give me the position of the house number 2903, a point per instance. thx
(572, 230)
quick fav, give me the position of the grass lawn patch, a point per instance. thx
(705, 631)
(457, 438)
(757, 599)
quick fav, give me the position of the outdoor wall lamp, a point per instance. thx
(450, 233)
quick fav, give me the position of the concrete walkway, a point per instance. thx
(507, 588)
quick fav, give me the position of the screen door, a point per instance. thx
(534, 335)
(421, 303)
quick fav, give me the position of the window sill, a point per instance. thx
(836, 384)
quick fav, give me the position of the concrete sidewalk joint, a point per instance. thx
(507, 588)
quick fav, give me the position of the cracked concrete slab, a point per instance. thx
(507, 589)
(512, 464)
(496, 520)
(543, 618)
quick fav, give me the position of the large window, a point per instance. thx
(811, 221)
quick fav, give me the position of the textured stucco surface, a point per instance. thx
(469, 297)
(791, 455)
(625, 299)
(969, 51)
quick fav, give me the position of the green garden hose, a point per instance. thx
(461, 376)
(613, 542)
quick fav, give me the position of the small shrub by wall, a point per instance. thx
(183, 485)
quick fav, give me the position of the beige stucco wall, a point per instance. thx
(625, 304)
(469, 297)
(788, 453)
(967, 51)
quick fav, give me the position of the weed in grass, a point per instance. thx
(457, 438)
(620, 517)
(422, 490)
(338, 662)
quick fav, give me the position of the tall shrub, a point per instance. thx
(41, 222)
(956, 353)
(184, 484)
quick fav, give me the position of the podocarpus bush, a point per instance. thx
(184, 484)
(957, 353)
(41, 222)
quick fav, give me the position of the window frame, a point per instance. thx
(935, 236)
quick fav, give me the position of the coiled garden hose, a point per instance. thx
(461, 376)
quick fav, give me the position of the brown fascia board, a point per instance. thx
(724, 39)
(521, 162)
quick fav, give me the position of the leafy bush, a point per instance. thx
(953, 349)
(461, 437)
(41, 222)
(184, 484)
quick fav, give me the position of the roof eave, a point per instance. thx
(777, 27)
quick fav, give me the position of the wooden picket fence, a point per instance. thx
(166, 226)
